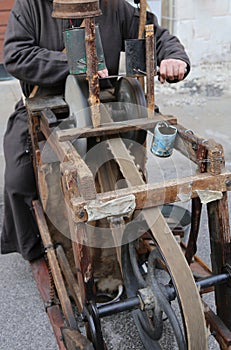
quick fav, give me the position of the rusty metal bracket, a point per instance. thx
(48, 246)
(147, 298)
(201, 154)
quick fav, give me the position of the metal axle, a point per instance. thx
(135, 302)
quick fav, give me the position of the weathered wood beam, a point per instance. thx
(208, 154)
(217, 328)
(220, 242)
(83, 261)
(74, 340)
(42, 278)
(73, 167)
(150, 65)
(151, 195)
(92, 71)
(54, 266)
(76, 172)
(69, 276)
(142, 21)
(113, 128)
(56, 103)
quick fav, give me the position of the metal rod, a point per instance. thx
(119, 306)
(150, 66)
(202, 284)
(92, 67)
(213, 280)
(134, 302)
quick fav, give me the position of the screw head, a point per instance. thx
(81, 214)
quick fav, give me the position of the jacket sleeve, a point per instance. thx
(167, 45)
(24, 58)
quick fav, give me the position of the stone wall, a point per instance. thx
(204, 26)
(155, 7)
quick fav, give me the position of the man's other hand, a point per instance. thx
(172, 70)
(103, 73)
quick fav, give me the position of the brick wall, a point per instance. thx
(5, 7)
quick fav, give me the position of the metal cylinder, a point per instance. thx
(163, 139)
(74, 39)
(75, 9)
(135, 57)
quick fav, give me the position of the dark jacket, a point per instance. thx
(34, 41)
(33, 54)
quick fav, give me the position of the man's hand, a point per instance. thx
(172, 69)
(103, 73)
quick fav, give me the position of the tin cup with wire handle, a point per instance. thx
(163, 139)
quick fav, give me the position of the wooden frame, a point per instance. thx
(79, 189)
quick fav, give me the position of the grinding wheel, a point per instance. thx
(130, 104)
(130, 96)
(76, 96)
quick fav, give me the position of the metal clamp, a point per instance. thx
(147, 299)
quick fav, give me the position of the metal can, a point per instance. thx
(74, 39)
(163, 139)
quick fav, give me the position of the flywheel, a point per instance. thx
(156, 260)
(76, 96)
(131, 100)
(128, 103)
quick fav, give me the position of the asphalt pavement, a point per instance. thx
(23, 322)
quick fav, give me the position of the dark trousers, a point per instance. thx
(20, 232)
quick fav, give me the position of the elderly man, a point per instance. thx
(33, 53)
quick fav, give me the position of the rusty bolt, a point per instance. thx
(81, 214)
(194, 146)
